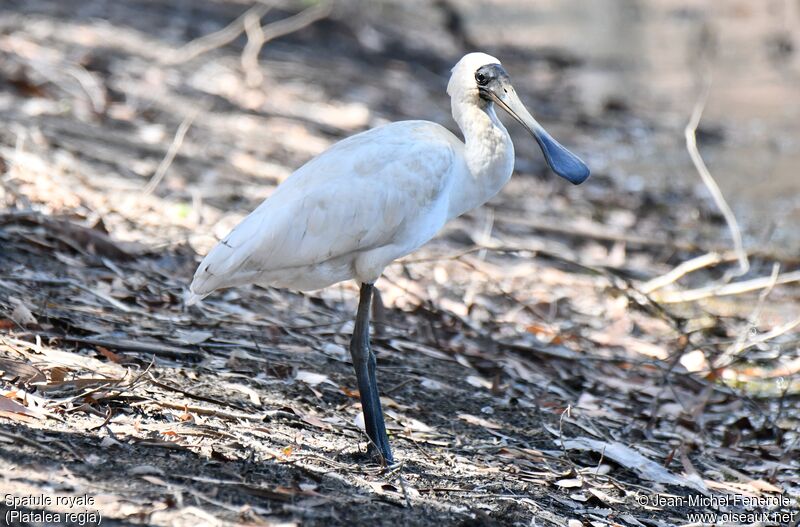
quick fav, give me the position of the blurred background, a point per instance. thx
(616, 79)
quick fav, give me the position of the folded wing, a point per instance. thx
(358, 195)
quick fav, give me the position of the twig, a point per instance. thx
(191, 395)
(67, 281)
(224, 36)
(90, 85)
(128, 344)
(255, 41)
(736, 288)
(201, 410)
(691, 145)
(737, 347)
(177, 141)
(561, 437)
(257, 35)
(765, 337)
(297, 22)
(689, 266)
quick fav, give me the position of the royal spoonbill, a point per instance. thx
(375, 197)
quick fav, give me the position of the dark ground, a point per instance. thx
(532, 374)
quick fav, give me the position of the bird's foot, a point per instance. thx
(384, 455)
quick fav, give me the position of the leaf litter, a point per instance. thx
(525, 374)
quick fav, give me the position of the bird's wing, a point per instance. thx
(355, 196)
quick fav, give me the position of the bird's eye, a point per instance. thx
(482, 79)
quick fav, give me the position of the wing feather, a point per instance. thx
(355, 196)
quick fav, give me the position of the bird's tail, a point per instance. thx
(203, 284)
(191, 298)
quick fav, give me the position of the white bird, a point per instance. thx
(375, 197)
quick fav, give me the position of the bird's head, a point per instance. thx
(479, 79)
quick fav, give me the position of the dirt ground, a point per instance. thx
(545, 361)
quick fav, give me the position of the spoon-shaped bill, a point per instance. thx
(561, 161)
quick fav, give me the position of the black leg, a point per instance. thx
(364, 364)
(378, 314)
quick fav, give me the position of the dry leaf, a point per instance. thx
(479, 382)
(141, 470)
(110, 355)
(479, 421)
(761, 485)
(315, 422)
(434, 385)
(630, 459)
(22, 315)
(23, 372)
(382, 487)
(570, 483)
(604, 497)
(695, 361)
(193, 337)
(16, 411)
(58, 374)
(311, 378)
(349, 392)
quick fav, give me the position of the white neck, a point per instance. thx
(489, 155)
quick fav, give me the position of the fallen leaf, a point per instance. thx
(334, 350)
(382, 487)
(109, 441)
(155, 481)
(142, 470)
(479, 421)
(23, 372)
(58, 374)
(349, 392)
(760, 484)
(110, 355)
(311, 378)
(23, 316)
(632, 460)
(315, 421)
(249, 392)
(479, 382)
(545, 333)
(434, 385)
(14, 410)
(570, 483)
(604, 497)
(193, 337)
(695, 361)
